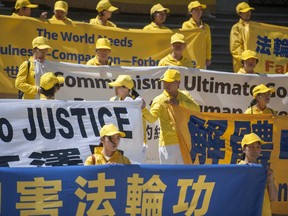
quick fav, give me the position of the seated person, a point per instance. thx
(49, 85)
(103, 49)
(158, 16)
(107, 152)
(60, 13)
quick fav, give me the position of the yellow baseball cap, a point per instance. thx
(177, 38)
(24, 3)
(48, 80)
(243, 7)
(123, 80)
(61, 5)
(158, 7)
(247, 54)
(171, 75)
(103, 43)
(40, 43)
(110, 130)
(195, 4)
(105, 5)
(250, 138)
(262, 89)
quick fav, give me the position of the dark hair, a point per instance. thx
(50, 92)
(242, 62)
(101, 13)
(134, 93)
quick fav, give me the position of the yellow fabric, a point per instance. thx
(153, 26)
(238, 43)
(26, 81)
(100, 159)
(67, 21)
(159, 109)
(94, 62)
(170, 61)
(15, 15)
(97, 21)
(255, 109)
(190, 24)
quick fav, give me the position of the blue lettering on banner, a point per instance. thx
(263, 45)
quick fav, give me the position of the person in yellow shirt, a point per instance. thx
(261, 97)
(25, 80)
(251, 147)
(50, 85)
(105, 11)
(176, 58)
(169, 149)
(60, 13)
(158, 16)
(107, 152)
(23, 8)
(103, 49)
(249, 62)
(238, 37)
(195, 11)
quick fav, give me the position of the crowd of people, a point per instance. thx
(107, 152)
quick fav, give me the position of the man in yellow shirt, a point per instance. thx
(249, 62)
(60, 13)
(105, 11)
(176, 58)
(103, 49)
(238, 34)
(169, 149)
(23, 8)
(158, 16)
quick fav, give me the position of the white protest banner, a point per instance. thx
(53, 132)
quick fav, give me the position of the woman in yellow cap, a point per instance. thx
(50, 84)
(158, 16)
(105, 11)
(25, 81)
(261, 97)
(60, 13)
(195, 12)
(23, 8)
(251, 147)
(103, 49)
(124, 90)
(107, 152)
(249, 62)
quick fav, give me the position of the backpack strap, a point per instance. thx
(93, 159)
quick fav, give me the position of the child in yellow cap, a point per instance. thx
(261, 97)
(23, 8)
(176, 58)
(50, 84)
(249, 62)
(158, 15)
(251, 147)
(107, 152)
(105, 10)
(60, 13)
(103, 49)
(195, 12)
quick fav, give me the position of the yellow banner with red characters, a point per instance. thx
(76, 43)
(270, 42)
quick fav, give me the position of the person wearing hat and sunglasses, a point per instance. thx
(60, 13)
(124, 90)
(261, 97)
(23, 8)
(169, 149)
(25, 80)
(238, 36)
(107, 152)
(50, 84)
(103, 49)
(176, 58)
(251, 147)
(158, 16)
(105, 11)
(249, 62)
(195, 11)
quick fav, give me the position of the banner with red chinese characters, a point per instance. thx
(270, 42)
(214, 138)
(133, 190)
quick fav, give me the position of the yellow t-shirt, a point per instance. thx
(255, 110)
(97, 21)
(95, 62)
(170, 61)
(153, 26)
